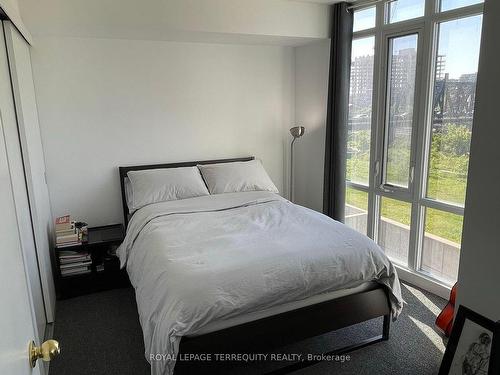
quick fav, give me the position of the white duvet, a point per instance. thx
(200, 260)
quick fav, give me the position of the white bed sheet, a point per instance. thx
(213, 258)
(275, 310)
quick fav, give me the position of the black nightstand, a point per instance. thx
(105, 272)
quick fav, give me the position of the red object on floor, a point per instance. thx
(444, 321)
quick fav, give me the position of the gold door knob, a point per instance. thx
(47, 351)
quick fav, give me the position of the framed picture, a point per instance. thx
(474, 345)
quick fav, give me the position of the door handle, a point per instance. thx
(47, 351)
(412, 174)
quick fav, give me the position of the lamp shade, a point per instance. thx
(297, 131)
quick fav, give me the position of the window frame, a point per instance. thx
(363, 34)
(427, 27)
(383, 186)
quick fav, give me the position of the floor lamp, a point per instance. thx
(296, 132)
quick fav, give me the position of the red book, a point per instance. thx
(63, 220)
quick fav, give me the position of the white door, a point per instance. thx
(20, 194)
(16, 320)
(18, 53)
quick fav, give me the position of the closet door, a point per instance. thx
(16, 320)
(20, 194)
(18, 279)
(18, 52)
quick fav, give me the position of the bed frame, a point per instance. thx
(278, 330)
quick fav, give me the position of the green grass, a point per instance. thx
(444, 224)
(438, 223)
(447, 182)
(356, 198)
(448, 178)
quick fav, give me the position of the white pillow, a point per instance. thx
(238, 176)
(128, 193)
(167, 184)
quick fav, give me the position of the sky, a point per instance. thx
(459, 40)
(452, 4)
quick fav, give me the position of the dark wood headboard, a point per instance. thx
(124, 170)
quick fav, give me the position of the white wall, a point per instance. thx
(177, 19)
(108, 102)
(479, 276)
(311, 92)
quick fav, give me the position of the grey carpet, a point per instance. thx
(100, 334)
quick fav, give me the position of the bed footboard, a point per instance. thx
(278, 330)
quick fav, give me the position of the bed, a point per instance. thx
(245, 272)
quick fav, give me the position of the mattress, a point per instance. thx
(275, 310)
(207, 263)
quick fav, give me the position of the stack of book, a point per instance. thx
(74, 263)
(66, 232)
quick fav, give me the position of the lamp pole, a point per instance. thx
(291, 168)
(296, 132)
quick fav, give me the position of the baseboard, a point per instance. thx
(426, 283)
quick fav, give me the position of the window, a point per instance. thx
(441, 244)
(356, 209)
(360, 110)
(453, 108)
(364, 19)
(411, 110)
(400, 101)
(401, 10)
(359, 132)
(394, 229)
(453, 4)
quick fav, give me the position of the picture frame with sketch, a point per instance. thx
(473, 347)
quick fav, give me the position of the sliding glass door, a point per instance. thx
(413, 76)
